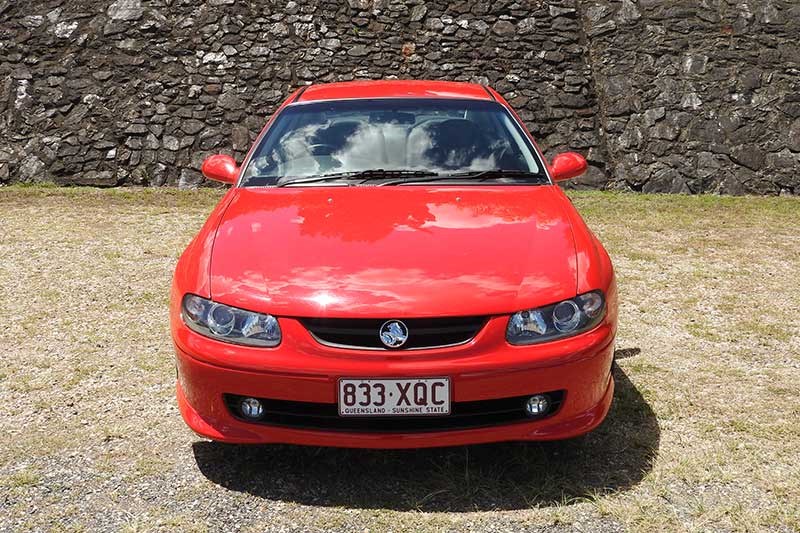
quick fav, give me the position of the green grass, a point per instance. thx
(23, 478)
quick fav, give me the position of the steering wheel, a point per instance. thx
(499, 153)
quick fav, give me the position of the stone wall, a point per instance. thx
(660, 95)
(698, 96)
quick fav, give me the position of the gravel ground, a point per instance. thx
(704, 433)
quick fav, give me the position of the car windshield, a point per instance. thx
(400, 140)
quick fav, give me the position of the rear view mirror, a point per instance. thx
(567, 166)
(220, 168)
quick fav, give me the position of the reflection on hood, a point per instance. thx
(371, 250)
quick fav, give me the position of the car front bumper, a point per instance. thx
(484, 369)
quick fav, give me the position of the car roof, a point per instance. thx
(394, 89)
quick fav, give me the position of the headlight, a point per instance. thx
(230, 324)
(556, 321)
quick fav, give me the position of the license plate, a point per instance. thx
(394, 397)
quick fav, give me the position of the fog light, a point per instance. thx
(251, 408)
(537, 405)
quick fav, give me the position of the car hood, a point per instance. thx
(404, 251)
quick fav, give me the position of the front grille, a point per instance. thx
(325, 416)
(362, 333)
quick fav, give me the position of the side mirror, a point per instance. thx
(220, 168)
(567, 166)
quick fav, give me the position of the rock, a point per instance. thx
(133, 45)
(558, 11)
(665, 130)
(134, 143)
(192, 126)
(21, 73)
(127, 10)
(629, 12)
(76, 115)
(189, 179)
(261, 51)
(751, 79)
(503, 28)
(434, 24)
(793, 138)
(53, 15)
(136, 129)
(771, 14)
(214, 57)
(480, 27)
(32, 21)
(363, 5)
(291, 8)
(601, 29)
(151, 142)
(651, 116)
(695, 64)
(707, 164)
(5, 155)
(526, 26)
(749, 155)
(358, 50)
(594, 178)
(279, 29)
(170, 143)
(65, 29)
(597, 12)
(330, 44)
(229, 100)
(782, 160)
(418, 12)
(408, 50)
(31, 169)
(666, 179)
(691, 101)
(240, 138)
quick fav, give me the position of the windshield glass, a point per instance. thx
(438, 136)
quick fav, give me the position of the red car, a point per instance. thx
(394, 267)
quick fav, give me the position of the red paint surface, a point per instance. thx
(394, 252)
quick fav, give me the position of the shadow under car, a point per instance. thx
(615, 456)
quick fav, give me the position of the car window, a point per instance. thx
(432, 135)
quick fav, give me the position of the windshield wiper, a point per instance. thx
(479, 175)
(362, 175)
